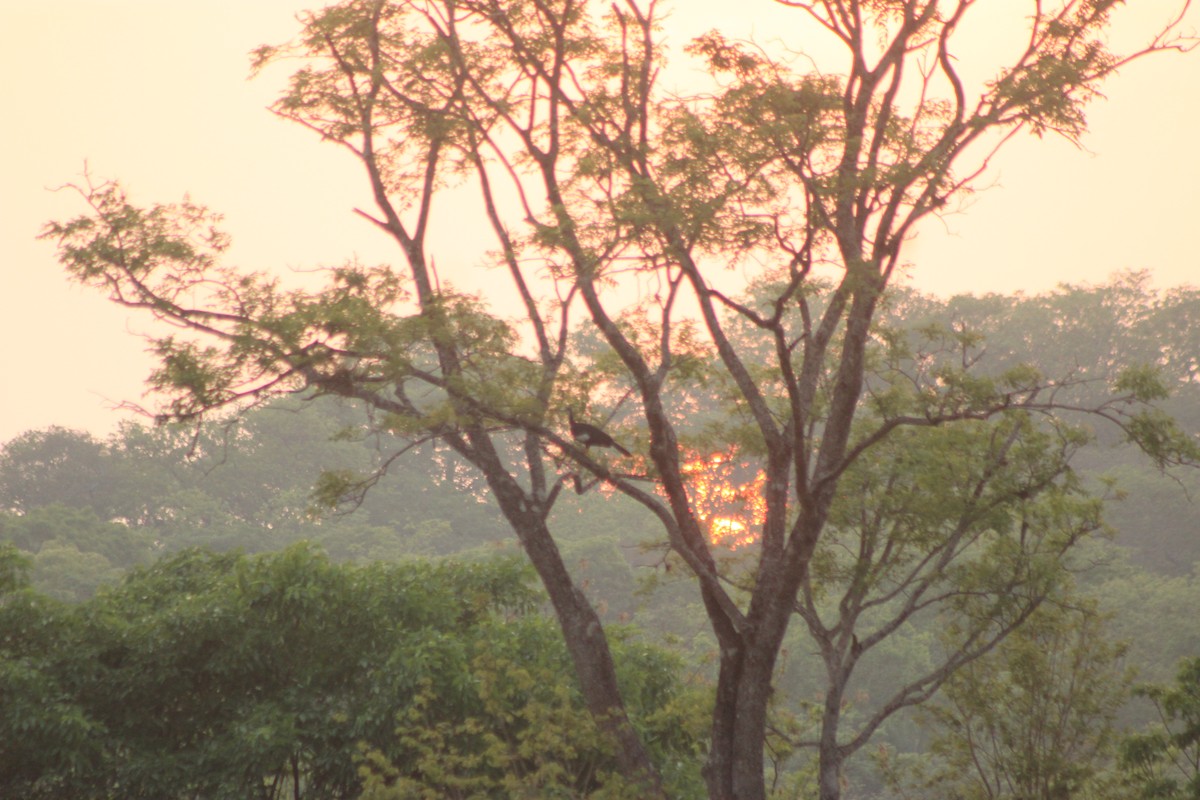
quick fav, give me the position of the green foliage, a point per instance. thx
(1145, 382)
(59, 466)
(1034, 718)
(72, 551)
(227, 675)
(1163, 763)
(1159, 435)
(528, 736)
(245, 484)
(14, 568)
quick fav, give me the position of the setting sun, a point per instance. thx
(727, 497)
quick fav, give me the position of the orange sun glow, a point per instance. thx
(727, 498)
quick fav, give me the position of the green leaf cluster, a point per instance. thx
(1161, 763)
(229, 675)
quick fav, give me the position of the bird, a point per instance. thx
(591, 436)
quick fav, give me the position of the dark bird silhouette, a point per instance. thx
(591, 436)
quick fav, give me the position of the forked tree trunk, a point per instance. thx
(829, 755)
(744, 688)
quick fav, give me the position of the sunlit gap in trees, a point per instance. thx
(727, 493)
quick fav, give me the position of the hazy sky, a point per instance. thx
(154, 93)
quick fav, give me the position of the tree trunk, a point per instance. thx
(829, 772)
(829, 755)
(718, 770)
(592, 658)
(582, 630)
(750, 723)
(744, 686)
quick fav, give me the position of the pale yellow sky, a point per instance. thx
(154, 93)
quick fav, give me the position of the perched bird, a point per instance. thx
(591, 436)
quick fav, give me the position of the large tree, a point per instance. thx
(628, 209)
